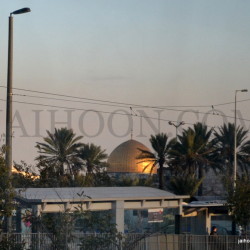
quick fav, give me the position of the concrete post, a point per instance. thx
(118, 210)
(178, 218)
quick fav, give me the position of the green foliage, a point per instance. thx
(61, 225)
(97, 242)
(238, 201)
(8, 242)
(101, 223)
(193, 150)
(6, 192)
(99, 179)
(126, 181)
(97, 222)
(93, 157)
(65, 162)
(225, 148)
(186, 184)
(25, 177)
(58, 152)
(50, 178)
(193, 153)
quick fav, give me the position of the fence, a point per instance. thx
(41, 241)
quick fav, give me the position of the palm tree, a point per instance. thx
(161, 146)
(185, 184)
(93, 157)
(193, 152)
(225, 147)
(207, 147)
(59, 151)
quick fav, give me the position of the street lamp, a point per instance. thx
(8, 155)
(176, 125)
(235, 136)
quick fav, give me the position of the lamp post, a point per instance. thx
(235, 137)
(8, 155)
(176, 125)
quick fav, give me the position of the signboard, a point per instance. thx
(155, 215)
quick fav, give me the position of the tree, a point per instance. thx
(128, 181)
(193, 149)
(59, 152)
(93, 157)
(193, 153)
(7, 194)
(238, 201)
(23, 176)
(93, 222)
(185, 184)
(161, 146)
(225, 148)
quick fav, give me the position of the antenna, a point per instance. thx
(131, 132)
(213, 109)
(132, 113)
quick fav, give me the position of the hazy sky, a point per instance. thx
(152, 53)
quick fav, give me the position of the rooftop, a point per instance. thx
(94, 194)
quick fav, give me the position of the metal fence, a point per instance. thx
(41, 241)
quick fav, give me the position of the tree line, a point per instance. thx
(197, 149)
(64, 160)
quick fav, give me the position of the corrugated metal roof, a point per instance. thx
(74, 194)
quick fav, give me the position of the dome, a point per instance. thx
(123, 159)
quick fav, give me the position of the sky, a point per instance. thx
(169, 60)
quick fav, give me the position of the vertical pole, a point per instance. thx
(235, 157)
(9, 99)
(9, 117)
(178, 218)
(235, 142)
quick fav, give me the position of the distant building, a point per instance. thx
(123, 160)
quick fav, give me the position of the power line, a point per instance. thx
(61, 99)
(105, 112)
(81, 98)
(101, 104)
(122, 103)
(176, 110)
(226, 103)
(208, 106)
(118, 113)
(97, 111)
(108, 112)
(112, 105)
(104, 104)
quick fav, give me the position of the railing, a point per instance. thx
(79, 241)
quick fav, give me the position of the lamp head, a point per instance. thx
(170, 123)
(244, 90)
(20, 11)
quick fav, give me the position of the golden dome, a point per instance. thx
(123, 159)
